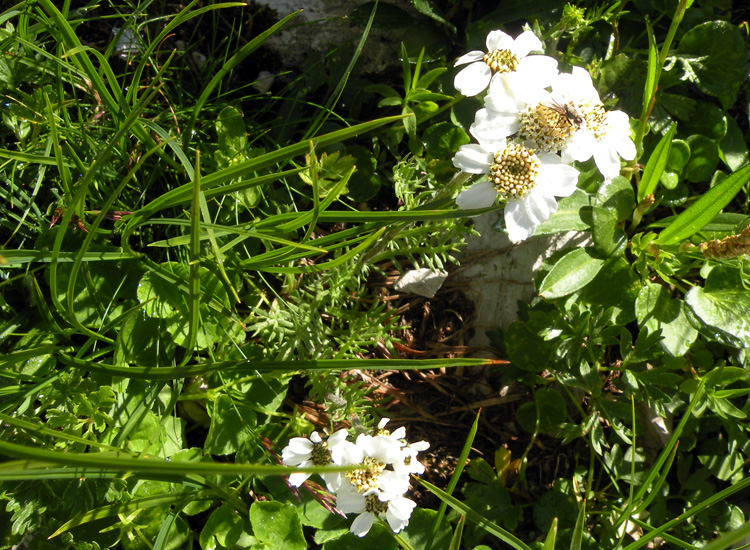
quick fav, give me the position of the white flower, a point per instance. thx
(547, 121)
(504, 56)
(605, 135)
(396, 508)
(409, 463)
(527, 179)
(315, 451)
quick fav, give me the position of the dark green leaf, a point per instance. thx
(704, 158)
(715, 51)
(722, 306)
(571, 273)
(277, 526)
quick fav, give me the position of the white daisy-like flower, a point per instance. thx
(396, 508)
(547, 120)
(504, 56)
(409, 464)
(311, 452)
(528, 179)
(603, 134)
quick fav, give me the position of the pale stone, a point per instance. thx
(422, 282)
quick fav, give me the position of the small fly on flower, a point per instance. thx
(567, 110)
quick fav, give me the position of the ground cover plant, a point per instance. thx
(201, 344)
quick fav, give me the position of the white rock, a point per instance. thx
(422, 282)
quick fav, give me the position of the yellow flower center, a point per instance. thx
(514, 170)
(366, 477)
(501, 61)
(595, 117)
(549, 126)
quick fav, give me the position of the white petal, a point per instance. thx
(393, 483)
(337, 437)
(538, 71)
(362, 524)
(401, 507)
(473, 158)
(526, 42)
(479, 195)
(540, 205)
(346, 453)
(298, 478)
(300, 445)
(508, 93)
(580, 147)
(383, 422)
(491, 128)
(333, 481)
(315, 437)
(349, 501)
(470, 57)
(576, 85)
(498, 40)
(607, 161)
(420, 446)
(625, 148)
(559, 179)
(474, 78)
(517, 221)
(398, 433)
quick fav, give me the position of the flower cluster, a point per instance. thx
(376, 487)
(535, 122)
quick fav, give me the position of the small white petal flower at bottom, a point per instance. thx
(399, 512)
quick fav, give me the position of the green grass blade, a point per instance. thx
(695, 217)
(173, 373)
(549, 541)
(727, 540)
(227, 67)
(181, 194)
(194, 297)
(460, 465)
(126, 508)
(492, 528)
(656, 164)
(580, 527)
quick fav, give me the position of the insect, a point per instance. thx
(568, 110)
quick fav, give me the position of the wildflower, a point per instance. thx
(384, 461)
(505, 56)
(528, 179)
(315, 451)
(603, 134)
(396, 508)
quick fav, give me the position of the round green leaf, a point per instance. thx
(707, 120)
(715, 51)
(277, 526)
(679, 155)
(704, 157)
(552, 412)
